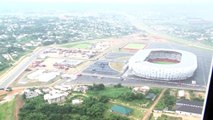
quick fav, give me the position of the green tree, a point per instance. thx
(55, 116)
(118, 85)
(103, 99)
(155, 90)
(96, 110)
(130, 96)
(116, 117)
(35, 116)
(97, 87)
(84, 117)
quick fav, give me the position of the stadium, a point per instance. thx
(163, 64)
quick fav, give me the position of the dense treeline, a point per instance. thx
(90, 109)
(130, 96)
(97, 87)
(4, 65)
(167, 101)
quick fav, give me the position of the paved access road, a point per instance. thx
(132, 81)
(6, 80)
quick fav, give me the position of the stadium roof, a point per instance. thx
(121, 109)
(187, 59)
(179, 71)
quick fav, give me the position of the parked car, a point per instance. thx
(9, 89)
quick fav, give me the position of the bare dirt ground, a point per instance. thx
(15, 94)
(11, 93)
(196, 94)
(200, 94)
(187, 95)
(149, 111)
(49, 65)
(19, 104)
(184, 117)
(2, 92)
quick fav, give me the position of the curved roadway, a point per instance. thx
(20, 68)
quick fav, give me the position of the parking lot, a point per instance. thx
(117, 55)
(101, 67)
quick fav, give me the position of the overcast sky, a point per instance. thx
(109, 1)
(202, 7)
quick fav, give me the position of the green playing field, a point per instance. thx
(134, 46)
(83, 46)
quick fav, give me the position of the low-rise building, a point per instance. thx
(143, 89)
(46, 90)
(30, 94)
(151, 96)
(76, 101)
(55, 98)
(187, 107)
(38, 91)
(181, 93)
(82, 89)
(61, 88)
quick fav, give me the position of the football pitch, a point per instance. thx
(83, 46)
(135, 46)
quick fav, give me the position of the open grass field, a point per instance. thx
(114, 93)
(134, 46)
(80, 44)
(143, 103)
(138, 114)
(110, 92)
(83, 46)
(7, 110)
(118, 66)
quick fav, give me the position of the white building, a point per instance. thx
(143, 89)
(76, 101)
(55, 98)
(62, 88)
(181, 93)
(82, 89)
(30, 94)
(185, 67)
(38, 91)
